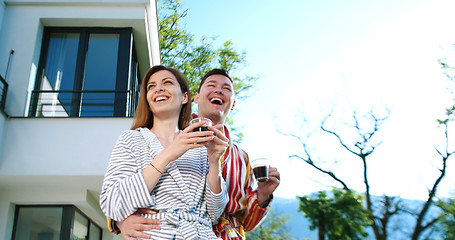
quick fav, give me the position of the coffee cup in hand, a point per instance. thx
(208, 122)
(260, 169)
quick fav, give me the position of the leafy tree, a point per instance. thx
(194, 58)
(340, 217)
(446, 226)
(359, 139)
(273, 228)
(422, 221)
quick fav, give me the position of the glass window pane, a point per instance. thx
(40, 223)
(80, 226)
(95, 232)
(82, 82)
(61, 61)
(100, 74)
(58, 75)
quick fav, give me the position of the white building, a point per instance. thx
(72, 71)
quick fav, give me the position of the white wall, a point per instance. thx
(73, 146)
(50, 190)
(6, 208)
(56, 161)
(6, 218)
(2, 12)
(76, 2)
(2, 133)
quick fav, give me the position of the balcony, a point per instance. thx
(49, 103)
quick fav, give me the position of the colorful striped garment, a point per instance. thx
(242, 213)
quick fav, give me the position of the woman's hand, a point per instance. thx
(188, 139)
(185, 140)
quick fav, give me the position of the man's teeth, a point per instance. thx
(216, 101)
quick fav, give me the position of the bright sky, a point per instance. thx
(315, 56)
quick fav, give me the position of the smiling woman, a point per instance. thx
(143, 116)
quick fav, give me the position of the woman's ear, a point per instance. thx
(185, 98)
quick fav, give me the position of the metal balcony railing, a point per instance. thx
(49, 103)
(3, 91)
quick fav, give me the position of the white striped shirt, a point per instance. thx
(187, 207)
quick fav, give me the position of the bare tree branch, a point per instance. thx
(310, 162)
(420, 226)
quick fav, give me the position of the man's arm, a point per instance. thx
(256, 213)
(259, 201)
(133, 227)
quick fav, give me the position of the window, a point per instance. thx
(86, 72)
(53, 223)
(38, 223)
(80, 227)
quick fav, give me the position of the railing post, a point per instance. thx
(8, 66)
(34, 104)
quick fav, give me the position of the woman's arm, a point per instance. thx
(124, 188)
(216, 202)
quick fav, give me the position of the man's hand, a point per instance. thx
(265, 189)
(133, 226)
(218, 145)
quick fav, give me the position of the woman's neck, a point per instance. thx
(165, 130)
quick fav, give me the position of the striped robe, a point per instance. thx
(186, 206)
(242, 213)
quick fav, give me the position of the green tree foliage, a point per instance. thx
(447, 224)
(273, 228)
(339, 217)
(194, 58)
(179, 50)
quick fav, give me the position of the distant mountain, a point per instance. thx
(299, 226)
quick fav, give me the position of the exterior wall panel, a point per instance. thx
(59, 161)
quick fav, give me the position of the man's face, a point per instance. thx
(215, 98)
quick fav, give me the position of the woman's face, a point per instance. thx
(164, 96)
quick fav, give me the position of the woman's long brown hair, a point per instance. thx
(144, 117)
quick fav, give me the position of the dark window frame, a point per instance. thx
(68, 214)
(3, 92)
(122, 89)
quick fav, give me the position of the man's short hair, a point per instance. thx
(213, 72)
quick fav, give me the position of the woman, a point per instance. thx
(162, 164)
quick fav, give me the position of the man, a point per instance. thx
(246, 208)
